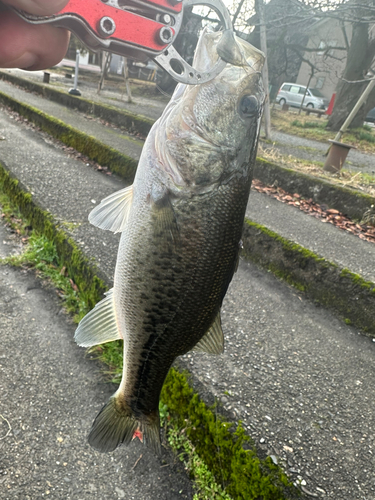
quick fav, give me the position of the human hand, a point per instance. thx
(30, 46)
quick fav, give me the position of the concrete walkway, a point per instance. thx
(50, 392)
(301, 380)
(308, 149)
(110, 94)
(111, 136)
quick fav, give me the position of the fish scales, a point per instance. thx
(181, 225)
(180, 288)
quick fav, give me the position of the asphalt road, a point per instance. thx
(50, 393)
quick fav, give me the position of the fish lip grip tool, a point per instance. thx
(139, 29)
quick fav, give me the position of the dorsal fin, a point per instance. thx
(99, 325)
(213, 341)
(112, 212)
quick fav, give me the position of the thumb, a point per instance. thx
(38, 7)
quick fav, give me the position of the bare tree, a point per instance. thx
(357, 52)
(359, 68)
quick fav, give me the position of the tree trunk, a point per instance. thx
(106, 64)
(360, 56)
(307, 87)
(126, 78)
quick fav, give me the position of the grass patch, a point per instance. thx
(312, 127)
(363, 135)
(363, 182)
(41, 255)
(298, 123)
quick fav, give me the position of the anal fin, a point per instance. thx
(112, 212)
(99, 325)
(213, 341)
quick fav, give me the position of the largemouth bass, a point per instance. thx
(181, 224)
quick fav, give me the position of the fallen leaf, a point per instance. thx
(74, 286)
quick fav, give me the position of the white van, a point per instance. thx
(292, 94)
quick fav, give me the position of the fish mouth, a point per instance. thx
(230, 48)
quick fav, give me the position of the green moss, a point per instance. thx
(79, 267)
(358, 280)
(347, 293)
(70, 226)
(287, 244)
(226, 451)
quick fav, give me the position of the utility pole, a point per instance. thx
(259, 6)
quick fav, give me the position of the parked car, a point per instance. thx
(370, 116)
(292, 94)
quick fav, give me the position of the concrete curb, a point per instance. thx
(121, 164)
(348, 201)
(344, 292)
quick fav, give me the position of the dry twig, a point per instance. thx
(9, 430)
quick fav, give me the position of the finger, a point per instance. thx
(28, 46)
(38, 7)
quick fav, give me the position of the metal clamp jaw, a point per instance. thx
(139, 29)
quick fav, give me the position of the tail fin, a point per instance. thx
(115, 424)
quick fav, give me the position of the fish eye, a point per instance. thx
(249, 106)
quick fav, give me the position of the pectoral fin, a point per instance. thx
(213, 341)
(99, 325)
(164, 219)
(112, 212)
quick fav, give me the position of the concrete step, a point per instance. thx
(299, 378)
(111, 136)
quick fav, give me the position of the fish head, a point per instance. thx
(211, 130)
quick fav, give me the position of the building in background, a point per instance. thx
(327, 39)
